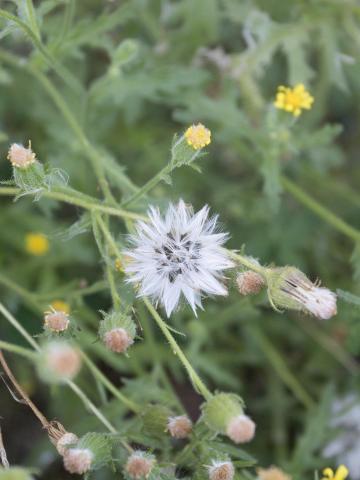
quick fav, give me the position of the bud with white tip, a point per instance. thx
(59, 361)
(78, 460)
(65, 442)
(289, 288)
(221, 470)
(249, 282)
(56, 321)
(20, 156)
(29, 174)
(224, 413)
(117, 331)
(179, 427)
(139, 465)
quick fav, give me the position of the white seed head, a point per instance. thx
(249, 282)
(241, 429)
(221, 471)
(118, 340)
(67, 439)
(178, 255)
(179, 427)
(78, 460)
(63, 360)
(321, 302)
(139, 465)
(56, 321)
(20, 156)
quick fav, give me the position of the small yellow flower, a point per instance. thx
(341, 473)
(272, 473)
(119, 265)
(293, 100)
(36, 244)
(60, 306)
(198, 136)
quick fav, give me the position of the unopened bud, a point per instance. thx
(78, 460)
(220, 409)
(155, 420)
(139, 465)
(289, 288)
(241, 429)
(249, 282)
(221, 470)
(21, 157)
(65, 441)
(117, 331)
(59, 361)
(179, 427)
(56, 321)
(272, 473)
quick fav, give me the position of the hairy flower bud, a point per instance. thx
(78, 460)
(59, 361)
(56, 321)
(249, 282)
(155, 420)
(221, 470)
(21, 157)
(65, 441)
(179, 427)
(117, 331)
(241, 429)
(139, 465)
(272, 473)
(289, 288)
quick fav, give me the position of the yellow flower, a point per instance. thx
(341, 473)
(293, 100)
(198, 136)
(36, 243)
(60, 306)
(272, 473)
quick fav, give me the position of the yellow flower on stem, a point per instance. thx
(293, 100)
(60, 306)
(341, 473)
(36, 244)
(198, 136)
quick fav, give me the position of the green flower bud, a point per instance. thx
(155, 420)
(91, 452)
(220, 410)
(117, 331)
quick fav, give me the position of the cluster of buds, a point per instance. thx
(224, 414)
(59, 361)
(289, 288)
(139, 465)
(221, 470)
(117, 331)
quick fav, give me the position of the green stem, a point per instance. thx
(246, 262)
(90, 204)
(147, 187)
(320, 210)
(194, 377)
(101, 377)
(24, 352)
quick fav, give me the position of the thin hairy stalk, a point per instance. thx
(147, 187)
(243, 260)
(321, 211)
(67, 76)
(91, 204)
(194, 377)
(107, 384)
(280, 366)
(108, 237)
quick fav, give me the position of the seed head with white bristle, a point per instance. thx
(178, 255)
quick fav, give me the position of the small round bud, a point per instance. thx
(59, 361)
(241, 429)
(118, 340)
(249, 282)
(63, 443)
(221, 471)
(21, 157)
(56, 321)
(78, 460)
(117, 331)
(179, 427)
(155, 420)
(272, 473)
(220, 409)
(139, 465)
